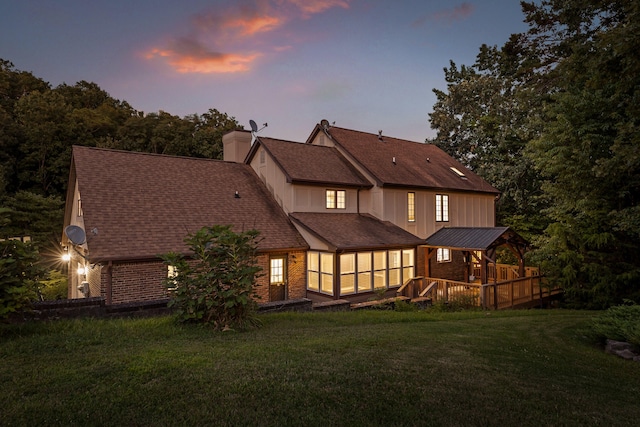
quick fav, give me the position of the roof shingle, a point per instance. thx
(355, 231)
(313, 164)
(143, 205)
(416, 164)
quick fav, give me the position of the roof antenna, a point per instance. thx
(255, 130)
(380, 135)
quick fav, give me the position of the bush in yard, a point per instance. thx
(619, 323)
(215, 286)
(19, 273)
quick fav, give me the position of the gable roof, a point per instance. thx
(416, 164)
(143, 204)
(311, 164)
(354, 231)
(474, 238)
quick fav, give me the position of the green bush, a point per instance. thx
(55, 287)
(19, 273)
(620, 323)
(215, 286)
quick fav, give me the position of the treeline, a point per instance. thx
(551, 119)
(39, 125)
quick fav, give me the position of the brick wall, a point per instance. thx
(452, 270)
(142, 281)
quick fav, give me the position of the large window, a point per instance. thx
(320, 272)
(359, 272)
(336, 199)
(442, 208)
(411, 207)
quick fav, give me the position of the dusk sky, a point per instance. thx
(364, 64)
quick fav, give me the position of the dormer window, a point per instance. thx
(336, 199)
(458, 172)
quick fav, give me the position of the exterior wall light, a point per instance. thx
(66, 257)
(82, 271)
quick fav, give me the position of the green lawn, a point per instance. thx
(520, 368)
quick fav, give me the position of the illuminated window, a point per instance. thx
(336, 199)
(80, 207)
(364, 271)
(172, 273)
(313, 271)
(407, 264)
(347, 273)
(320, 272)
(379, 270)
(395, 264)
(277, 270)
(443, 255)
(411, 207)
(442, 208)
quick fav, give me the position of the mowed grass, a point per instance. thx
(515, 368)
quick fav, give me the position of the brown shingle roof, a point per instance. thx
(313, 164)
(416, 165)
(355, 231)
(143, 205)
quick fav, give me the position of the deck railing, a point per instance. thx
(518, 292)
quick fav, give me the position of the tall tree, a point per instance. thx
(588, 148)
(484, 120)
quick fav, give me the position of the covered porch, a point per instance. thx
(487, 283)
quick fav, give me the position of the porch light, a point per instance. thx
(82, 271)
(66, 256)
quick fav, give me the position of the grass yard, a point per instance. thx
(367, 368)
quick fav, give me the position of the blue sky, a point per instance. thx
(365, 65)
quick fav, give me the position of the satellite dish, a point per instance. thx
(75, 234)
(324, 123)
(254, 126)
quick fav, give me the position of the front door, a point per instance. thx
(277, 278)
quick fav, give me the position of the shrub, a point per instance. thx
(620, 323)
(19, 273)
(215, 286)
(55, 287)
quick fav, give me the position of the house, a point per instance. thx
(342, 215)
(134, 207)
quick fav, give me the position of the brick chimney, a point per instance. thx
(236, 145)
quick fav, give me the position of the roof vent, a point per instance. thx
(394, 160)
(380, 135)
(237, 195)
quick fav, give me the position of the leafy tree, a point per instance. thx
(215, 286)
(484, 120)
(588, 147)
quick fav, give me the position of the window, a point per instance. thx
(277, 270)
(172, 273)
(458, 172)
(262, 157)
(407, 264)
(411, 207)
(442, 208)
(336, 199)
(379, 270)
(80, 207)
(326, 273)
(347, 273)
(443, 255)
(313, 271)
(394, 268)
(364, 271)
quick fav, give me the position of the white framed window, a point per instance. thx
(172, 273)
(347, 273)
(395, 265)
(326, 273)
(364, 272)
(80, 213)
(411, 207)
(443, 255)
(408, 264)
(313, 271)
(336, 199)
(442, 208)
(262, 157)
(276, 270)
(379, 269)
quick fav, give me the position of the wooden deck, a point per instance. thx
(513, 292)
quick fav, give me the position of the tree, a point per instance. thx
(19, 271)
(484, 120)
(587, 150)
(215, 286)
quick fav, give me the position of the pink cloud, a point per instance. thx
(225, 40)
(447, 16)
